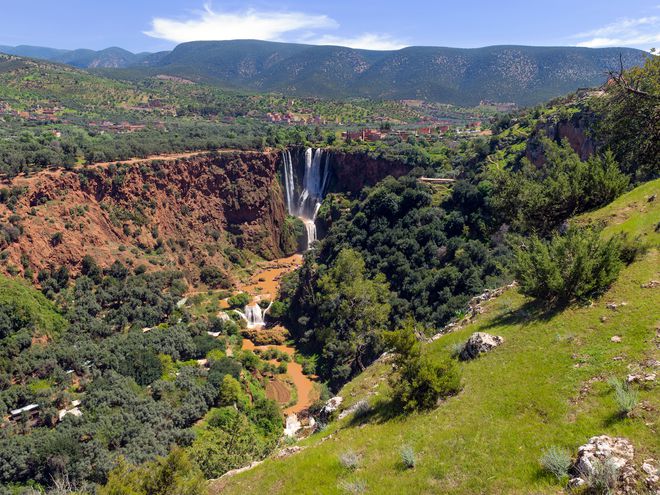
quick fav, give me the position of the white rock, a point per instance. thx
(478, 343)
(615, 450)
(293, 425)
(332, 405)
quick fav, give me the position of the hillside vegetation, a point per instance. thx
(521, 74)
(547, 385)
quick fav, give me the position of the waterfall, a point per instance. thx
(288, 181)
(310, 227)
(254, 316)
(314, 185)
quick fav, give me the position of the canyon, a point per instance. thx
(181, 212)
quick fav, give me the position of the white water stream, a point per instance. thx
(314, 185)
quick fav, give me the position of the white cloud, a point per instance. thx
(209, 24)
(248, 24)
(642, 32)
(368, 41)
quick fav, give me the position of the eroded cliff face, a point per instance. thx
(574, 129)
(352, 172)
(178, 214)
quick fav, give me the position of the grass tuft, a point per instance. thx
(625, 395)
(557, 461)
(350, 460)
(408, 458)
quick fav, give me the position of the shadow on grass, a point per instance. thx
(615, 418)
(530, 312)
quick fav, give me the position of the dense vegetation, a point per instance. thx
(120, 345)
(437, 249)
(545, 389)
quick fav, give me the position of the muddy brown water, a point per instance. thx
(266, 283)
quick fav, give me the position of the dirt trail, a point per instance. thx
(266, 284)
(57, 171)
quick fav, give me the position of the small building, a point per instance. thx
(31, 410)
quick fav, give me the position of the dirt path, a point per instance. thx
(57, 171)
(266, 284)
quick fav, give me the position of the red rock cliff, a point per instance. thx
(179, 214)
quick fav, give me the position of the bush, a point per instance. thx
(350, 460)
(419, 381)
(213, 277)
(353, 487)
(408, 458)
(556, 461)
(239, 300)
(625, 395)
(603, 477)
(572, 266)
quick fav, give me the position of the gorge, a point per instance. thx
(170, 211)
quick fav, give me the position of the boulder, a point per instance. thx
(332, 405)
(293, 425)
(616, 451)
(651, 475)
(478, 343)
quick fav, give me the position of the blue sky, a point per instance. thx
(151, 25)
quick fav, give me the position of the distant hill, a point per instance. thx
(521, 74)
(113, 57)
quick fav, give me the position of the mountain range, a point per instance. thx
(523, 75)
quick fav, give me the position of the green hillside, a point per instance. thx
(25, 309)
(521, 74)
(545, 386)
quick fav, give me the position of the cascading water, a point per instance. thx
(314, 185)
(254, 316)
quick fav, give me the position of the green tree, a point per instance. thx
(354, 310)
(171, 475)
(419, 381)
(217, 450)
(630, 122)
(575, 265)
(230, 391)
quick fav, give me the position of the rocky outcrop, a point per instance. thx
(479, 343)
(606, 460)
(574, 129)
(352, 172)
(177, 214)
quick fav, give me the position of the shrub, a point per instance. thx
(557, 461)
(603, 476)
(353, 487)
(350, 460)
(213, 277)
(239, 300)
(361, 409)
(56, 239)
(625, 395)
(419, 381)
(408, 458)
(456, 349)
(575, 265)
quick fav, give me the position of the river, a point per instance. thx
(266, 283)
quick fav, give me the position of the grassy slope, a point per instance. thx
(33, 304)
(517, 400)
